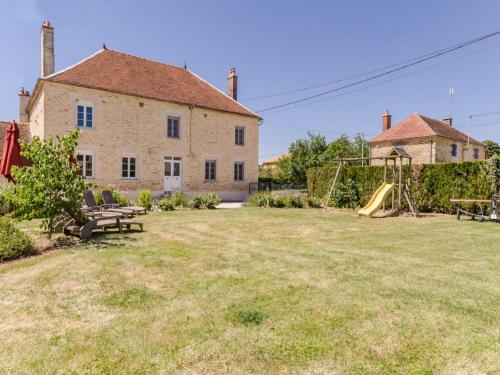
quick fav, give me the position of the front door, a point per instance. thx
(173, 169)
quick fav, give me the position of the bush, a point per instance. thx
(145, 199)
(196, 202)
(432, 185)
(260, 200)
(279, 201)
(266, 199)
(293, 201)
(6, 204)
(165, 204)
(210, 200)
(314, 202)
(179, 199)
(206, 201)
(13, 242)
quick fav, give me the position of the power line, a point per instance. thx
(451, 49)
(386, 80)
(350, 77)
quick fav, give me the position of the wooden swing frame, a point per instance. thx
(397, 178)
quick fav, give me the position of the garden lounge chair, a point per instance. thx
(92, 205)
(107, 197)
(83, 228)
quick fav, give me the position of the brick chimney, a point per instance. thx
(47, 49)
(24, 98)
(232, 84)
(386, 120)
(448, 121)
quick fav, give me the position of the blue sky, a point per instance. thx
(278, 46)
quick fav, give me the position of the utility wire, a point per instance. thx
(352, 76)
(419, 61)
(385, 81)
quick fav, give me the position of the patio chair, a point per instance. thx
(92, 205)
(83, 228)
(107, 197)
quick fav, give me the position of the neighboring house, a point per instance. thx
(426, 140)
(146, 124)
(273, 163)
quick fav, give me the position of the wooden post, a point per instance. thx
(393, 183)
(400, 181)
(385, 180)
(333, 184)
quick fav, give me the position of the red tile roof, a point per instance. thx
(419, 126)
(24, 133)
(122, 73)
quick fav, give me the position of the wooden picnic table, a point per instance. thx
(472, 202)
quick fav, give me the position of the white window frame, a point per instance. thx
(129, 156)
(85, 105)
(210, 177)
(238, 129)
(178, 118)
(84, 154)
(236, 174)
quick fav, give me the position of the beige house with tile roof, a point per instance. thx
(146, 124)
(426, 140)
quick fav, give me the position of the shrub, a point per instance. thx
(179, 199)
(145, 199)
(280, 201)
(196, 202)
(293, 201)
(314, 202)
(210, 200)
(432, 185)
(260, 200)
(6, 204)
(13, 242)
(206, 201)
(165, 204)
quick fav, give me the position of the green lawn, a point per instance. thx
(260, 291)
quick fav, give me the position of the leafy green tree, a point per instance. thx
(304, 154)
(493, 147)
(52, 184)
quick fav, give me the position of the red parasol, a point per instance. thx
(11, 155)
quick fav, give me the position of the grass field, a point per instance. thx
(260, 291)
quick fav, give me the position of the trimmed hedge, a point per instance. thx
(433, 185)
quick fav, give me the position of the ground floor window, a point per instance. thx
(86, 165)
(210, 170)
(129, 167)
(239, 171)
(476, 153)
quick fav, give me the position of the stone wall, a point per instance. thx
(130, 125)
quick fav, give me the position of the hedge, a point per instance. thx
(433, 185)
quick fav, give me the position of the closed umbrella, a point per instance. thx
(11, 155)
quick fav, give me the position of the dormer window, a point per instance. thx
(84, 116)
(453, 149)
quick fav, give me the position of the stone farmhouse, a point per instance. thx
(426, 140)
(145, 124)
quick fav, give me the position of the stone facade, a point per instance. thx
(126, 125)
(429, 150)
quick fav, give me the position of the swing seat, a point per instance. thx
(377, 200)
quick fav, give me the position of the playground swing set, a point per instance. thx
(397, 188)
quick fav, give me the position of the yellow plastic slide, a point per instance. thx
(376, 200)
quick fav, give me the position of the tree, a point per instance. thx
(493, 147)
(304, 154)
(52, 184)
